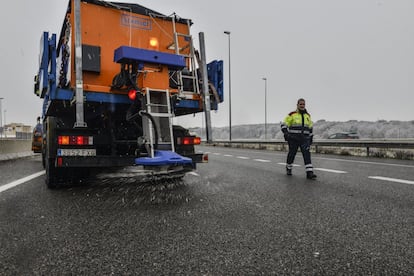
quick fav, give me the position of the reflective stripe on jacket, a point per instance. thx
(298, 123)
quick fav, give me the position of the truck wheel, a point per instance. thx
(44, 145)
(49, 154)
(51, 179)
(43, 161)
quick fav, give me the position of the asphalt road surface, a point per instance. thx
(237, 215)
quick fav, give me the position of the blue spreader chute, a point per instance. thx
(163, 157)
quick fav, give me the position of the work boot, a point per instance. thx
(310, 175)
(288, 171)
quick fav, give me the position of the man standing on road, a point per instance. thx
(297, 130)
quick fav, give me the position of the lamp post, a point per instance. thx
(5, 123)
(228, 34)
(265, 107)
(1, 118)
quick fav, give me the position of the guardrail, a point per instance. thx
(338, 146)
(326, 145)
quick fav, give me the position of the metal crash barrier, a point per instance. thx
(335, 146)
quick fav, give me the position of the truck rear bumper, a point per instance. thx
(93, 161)
(111, 161)
(199, 157)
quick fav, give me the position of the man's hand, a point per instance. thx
(310, 140)
(286, 136)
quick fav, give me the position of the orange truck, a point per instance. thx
(111, 84)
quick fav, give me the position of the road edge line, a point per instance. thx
(20, 181)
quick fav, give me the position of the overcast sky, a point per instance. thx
(350, 59)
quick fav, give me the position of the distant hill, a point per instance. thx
(322, 129)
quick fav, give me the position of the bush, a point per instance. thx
(404, 155)
(344, 152)
(379, 154)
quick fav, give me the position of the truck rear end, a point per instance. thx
(111, 84)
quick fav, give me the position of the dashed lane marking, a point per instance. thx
(20, 181)
(324, 169)
(262, 160)
(392, 179)
(294, 165)
(329, 170)
(243, 157)
(317, 169)
(366, 162)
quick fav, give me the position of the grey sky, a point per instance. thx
(350, 59)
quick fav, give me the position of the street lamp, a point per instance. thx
(228, 34)
(1, 119)
(4, 120)
(265, 107)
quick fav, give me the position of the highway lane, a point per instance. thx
(344, 208)
(238, 214)
(323, 163)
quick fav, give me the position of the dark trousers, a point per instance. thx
(304, 146)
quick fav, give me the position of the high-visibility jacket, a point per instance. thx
(298, 123)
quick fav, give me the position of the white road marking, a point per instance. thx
(329, 170)
(262, 160)
(365, 162)
(392, 179)
(338, 171)
(217, 153)
(242, 157)
(294, 165)
(317, 169)
(20, 181)
(193, 173)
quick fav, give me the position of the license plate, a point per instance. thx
(76, 152)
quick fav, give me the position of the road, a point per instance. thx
(237, 215)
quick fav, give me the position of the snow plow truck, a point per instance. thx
(111, 84)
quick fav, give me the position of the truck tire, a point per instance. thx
(51, 179)
(44, 145)
(43, 161)
(50, 146)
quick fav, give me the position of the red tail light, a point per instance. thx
(197, 140)
(132, 94)
(188, 140)
(205, 158)
(59, 162)
(78, 140)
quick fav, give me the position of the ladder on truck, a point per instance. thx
(191, 70)
(158, 106)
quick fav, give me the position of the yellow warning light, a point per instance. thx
(153, 42)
